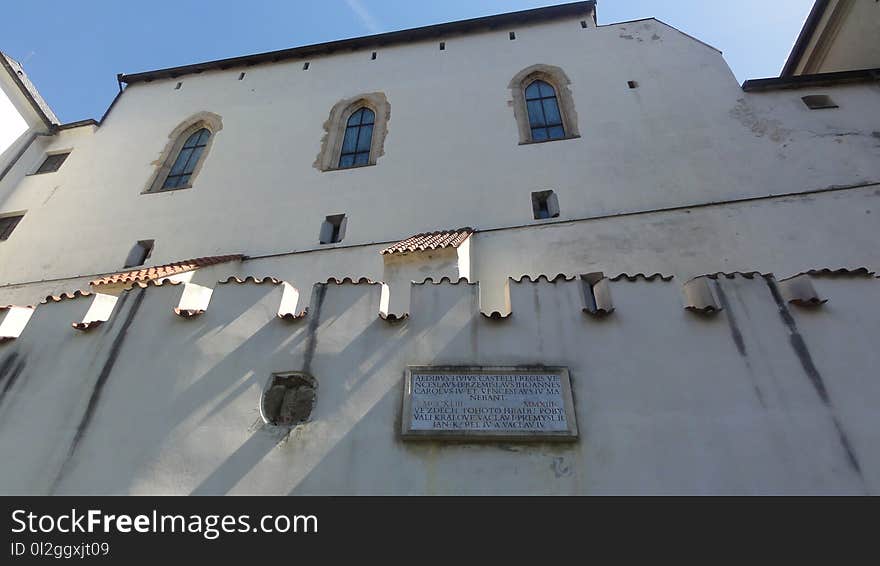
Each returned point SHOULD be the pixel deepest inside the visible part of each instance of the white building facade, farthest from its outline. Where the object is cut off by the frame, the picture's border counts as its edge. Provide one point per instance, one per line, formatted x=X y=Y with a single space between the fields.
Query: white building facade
x=698 y=254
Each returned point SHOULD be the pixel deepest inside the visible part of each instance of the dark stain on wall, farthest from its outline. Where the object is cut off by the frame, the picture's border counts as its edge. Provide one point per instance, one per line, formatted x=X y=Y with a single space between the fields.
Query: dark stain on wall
x=318 y=294
x=806 y=359
x=97 y=389
x=9 y=372
x=737 y=336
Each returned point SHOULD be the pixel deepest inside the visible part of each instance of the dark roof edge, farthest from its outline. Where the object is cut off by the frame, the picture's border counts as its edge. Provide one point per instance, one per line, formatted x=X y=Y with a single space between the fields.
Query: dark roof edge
x=403 y=36
x=818 y=79
x=800 y=44
x=30 y=95
x=77 y=124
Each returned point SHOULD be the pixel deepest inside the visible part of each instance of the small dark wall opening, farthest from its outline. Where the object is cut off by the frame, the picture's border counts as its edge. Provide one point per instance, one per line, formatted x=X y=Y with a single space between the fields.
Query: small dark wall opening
x=632 y=84
x=8 y=224
x=545 y=204
x=139 y=253
x=52 y=162
x=333 y=229
x=289 y=399
x=819 y=101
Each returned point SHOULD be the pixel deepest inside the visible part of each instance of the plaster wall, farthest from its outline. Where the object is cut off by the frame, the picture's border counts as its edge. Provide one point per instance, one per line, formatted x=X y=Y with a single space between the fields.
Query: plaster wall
x=687 y=135
x=763 y=397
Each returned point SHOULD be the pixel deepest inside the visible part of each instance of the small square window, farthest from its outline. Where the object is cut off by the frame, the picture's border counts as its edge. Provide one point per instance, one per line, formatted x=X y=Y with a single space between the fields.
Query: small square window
x=545 y=205
x=333 y=229
x=52 y=162
x=632 y=84
x=139 y=253
x=8 y=224
x=819 y=101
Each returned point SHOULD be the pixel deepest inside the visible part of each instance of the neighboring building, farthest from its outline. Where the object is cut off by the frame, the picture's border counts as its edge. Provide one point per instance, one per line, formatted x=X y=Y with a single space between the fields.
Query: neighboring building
x=530 y=191
x=24 y=114
x=839 y=35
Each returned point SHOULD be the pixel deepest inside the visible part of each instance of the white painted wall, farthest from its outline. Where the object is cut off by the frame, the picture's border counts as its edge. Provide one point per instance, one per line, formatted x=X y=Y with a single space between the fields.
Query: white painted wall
x=666 y=401
x=685 y=175
x=12 y=124
x=687 y=135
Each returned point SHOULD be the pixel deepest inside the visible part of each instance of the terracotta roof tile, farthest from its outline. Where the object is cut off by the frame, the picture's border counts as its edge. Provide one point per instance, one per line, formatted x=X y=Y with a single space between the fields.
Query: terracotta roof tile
x=167 y=270
x=430 y=241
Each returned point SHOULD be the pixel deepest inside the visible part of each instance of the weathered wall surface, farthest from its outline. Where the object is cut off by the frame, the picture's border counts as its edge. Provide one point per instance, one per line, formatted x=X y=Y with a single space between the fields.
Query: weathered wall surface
x=687 y=135
x=764 y=397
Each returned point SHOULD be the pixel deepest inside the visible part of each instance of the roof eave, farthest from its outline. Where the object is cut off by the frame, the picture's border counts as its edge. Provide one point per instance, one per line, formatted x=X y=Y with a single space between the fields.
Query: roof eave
x=814 y=80
x=584 y=8
x=803 y=39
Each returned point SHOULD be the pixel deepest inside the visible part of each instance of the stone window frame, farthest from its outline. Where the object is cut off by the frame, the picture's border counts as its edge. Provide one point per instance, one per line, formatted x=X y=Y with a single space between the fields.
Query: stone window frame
x=555 y=77
x=208 y=120
x=334 y=130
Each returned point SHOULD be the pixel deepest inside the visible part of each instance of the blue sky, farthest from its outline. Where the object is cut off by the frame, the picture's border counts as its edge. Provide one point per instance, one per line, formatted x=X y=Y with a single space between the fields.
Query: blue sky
x=73 y=49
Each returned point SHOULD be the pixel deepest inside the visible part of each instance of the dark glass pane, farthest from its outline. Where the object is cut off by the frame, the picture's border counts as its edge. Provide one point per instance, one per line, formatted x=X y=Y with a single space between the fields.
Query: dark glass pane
x=362 y=158
x=368 y=116
x=539 y=134
x=203 y=137
x=556 y=132
x=551 y=111
x=546 y=90
x=183 y=180
x=536 y=114
x=52 y=163
x=356 y=118
x=194 y=159
x=533 y=90
x=181 y=161
x=365 y=138
x=192 y=140
x=349 y=142
x=346 y=160
x=170 y=182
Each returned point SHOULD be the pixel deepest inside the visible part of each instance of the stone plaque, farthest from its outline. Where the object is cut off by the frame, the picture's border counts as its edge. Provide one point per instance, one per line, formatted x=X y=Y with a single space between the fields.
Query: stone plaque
x=491 y=402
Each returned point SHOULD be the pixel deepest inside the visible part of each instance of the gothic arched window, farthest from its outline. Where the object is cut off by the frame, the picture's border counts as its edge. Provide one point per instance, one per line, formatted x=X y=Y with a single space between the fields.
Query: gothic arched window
x=545 y=120
x=358 y=139
x=187 y=159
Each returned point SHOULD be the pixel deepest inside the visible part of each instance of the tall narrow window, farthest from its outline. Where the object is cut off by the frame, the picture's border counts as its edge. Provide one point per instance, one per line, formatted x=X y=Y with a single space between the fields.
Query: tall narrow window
x=358 y=138
x=187 y=159
x=545 y=119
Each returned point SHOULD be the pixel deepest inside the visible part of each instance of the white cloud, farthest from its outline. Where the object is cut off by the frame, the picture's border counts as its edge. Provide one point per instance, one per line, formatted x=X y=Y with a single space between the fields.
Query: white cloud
x=365 y=16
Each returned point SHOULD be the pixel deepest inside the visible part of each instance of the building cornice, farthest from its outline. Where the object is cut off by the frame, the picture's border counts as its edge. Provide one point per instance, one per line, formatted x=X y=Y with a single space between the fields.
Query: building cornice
x=807 y=81
x=586 y=9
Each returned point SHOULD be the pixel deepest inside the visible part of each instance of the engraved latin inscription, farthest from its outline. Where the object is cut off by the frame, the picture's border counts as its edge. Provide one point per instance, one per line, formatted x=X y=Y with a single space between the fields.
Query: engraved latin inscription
x=484 y=402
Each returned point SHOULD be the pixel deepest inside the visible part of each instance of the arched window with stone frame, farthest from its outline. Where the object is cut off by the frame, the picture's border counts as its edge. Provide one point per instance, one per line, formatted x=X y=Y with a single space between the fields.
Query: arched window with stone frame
x=543 y=105
x=185 y=153
x=354 y=133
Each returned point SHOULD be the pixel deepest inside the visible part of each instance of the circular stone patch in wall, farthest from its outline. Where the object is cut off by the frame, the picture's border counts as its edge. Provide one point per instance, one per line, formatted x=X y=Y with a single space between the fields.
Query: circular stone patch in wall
x=289 y=398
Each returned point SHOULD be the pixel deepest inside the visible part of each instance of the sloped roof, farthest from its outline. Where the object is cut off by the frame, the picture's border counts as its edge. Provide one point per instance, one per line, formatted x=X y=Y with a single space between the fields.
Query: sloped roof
x=16 y=71
x=167 y=270
x=430 y=241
